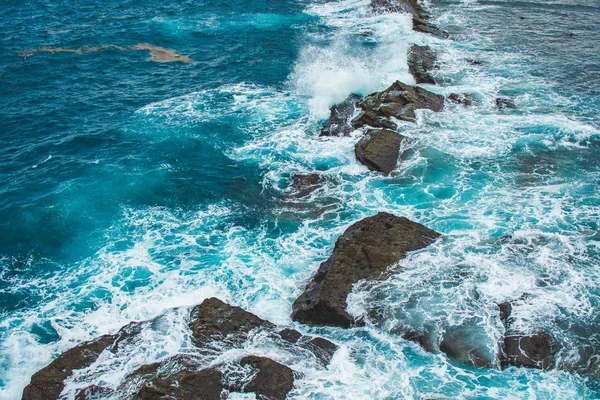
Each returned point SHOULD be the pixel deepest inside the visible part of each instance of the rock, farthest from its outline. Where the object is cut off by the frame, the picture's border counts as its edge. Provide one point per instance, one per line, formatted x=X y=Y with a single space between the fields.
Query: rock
x=291 y=335
x=323 y=349
x=48 y=383
x=305 y=184
x=206 y=384
x=537 y=350
x=464 y=99
x=398 y=101
x=458 y=344
x=421 y=337
x=505 y=310
x=341 y=114
x=93 y=392
x=378 y=149
x=474 y=62
x=364 y=251
x=214 y=320
x=503 y=104
x=273 y=381
x=413 y=7
x=421 y=61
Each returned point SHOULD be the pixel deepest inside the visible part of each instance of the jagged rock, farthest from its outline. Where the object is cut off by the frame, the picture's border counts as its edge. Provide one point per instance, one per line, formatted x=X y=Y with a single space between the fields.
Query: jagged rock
x=215 y=320
x=505 y=311
x=398 y=101
x=464 y=99
x=323 y=349
x=93 y=392
x=305 y=184
x=378 y=149
x=48 y=382
x=341 y=114
x=413 y=7
x=474 y=62
x=421 y=337
x=206 y=384
x=421 y=61
x=536 y=350
x=364 y=251
x=273 y=380
x=504 y=104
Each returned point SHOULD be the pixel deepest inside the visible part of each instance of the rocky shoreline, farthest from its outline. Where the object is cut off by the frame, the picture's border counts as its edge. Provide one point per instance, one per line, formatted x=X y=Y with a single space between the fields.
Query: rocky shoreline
x=364 y=251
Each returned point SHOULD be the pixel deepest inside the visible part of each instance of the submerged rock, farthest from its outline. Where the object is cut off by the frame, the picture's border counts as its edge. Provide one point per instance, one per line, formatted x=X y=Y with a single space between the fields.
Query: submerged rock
x=399 y=101
x=304 y=184
x=503 y=104
x=364 y=251
x=48 y=383
x=378 y=149
x=421 y=61
x=536 y=350
x=459 y=344
x=464 y=99
x=340 y=117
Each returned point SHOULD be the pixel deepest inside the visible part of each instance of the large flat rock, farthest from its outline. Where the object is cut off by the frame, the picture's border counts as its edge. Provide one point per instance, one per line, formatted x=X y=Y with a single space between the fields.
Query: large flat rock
x=364 y=251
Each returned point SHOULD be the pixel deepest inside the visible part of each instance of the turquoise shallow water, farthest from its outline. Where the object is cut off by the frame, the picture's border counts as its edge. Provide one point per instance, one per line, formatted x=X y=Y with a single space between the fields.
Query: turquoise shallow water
x=128 y=186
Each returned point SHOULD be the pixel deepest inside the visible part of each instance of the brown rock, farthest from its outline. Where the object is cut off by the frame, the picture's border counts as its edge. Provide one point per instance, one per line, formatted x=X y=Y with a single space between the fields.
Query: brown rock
x=421 y=62
x=379 y=149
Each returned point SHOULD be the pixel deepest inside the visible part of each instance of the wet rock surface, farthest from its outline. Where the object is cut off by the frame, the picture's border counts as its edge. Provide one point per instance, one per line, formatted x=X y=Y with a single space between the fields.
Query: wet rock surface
x=215 y=327
x=458 y=344
x=464 y=99
x=48 y=383
x=340 y=116
x=304 y=184
x=364 y=251
x=505 y=104
x=537 y=350
x=421 y=62
x=399 y=101
x=379 y=149
x=414 y=7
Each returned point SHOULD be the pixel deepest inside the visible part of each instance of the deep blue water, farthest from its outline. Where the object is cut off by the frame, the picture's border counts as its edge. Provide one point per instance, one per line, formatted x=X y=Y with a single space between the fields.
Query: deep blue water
x=129 y=186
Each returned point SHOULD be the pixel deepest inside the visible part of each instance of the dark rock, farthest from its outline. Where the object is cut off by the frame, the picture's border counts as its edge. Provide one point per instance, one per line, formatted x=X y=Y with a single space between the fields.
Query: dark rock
x=273 y=381
x=503 y=104
x=421 y=337
x=323 y=349
x=305 y=184
x=48 y=382
x=378 y=149
x=457 y=344
x=340 y=117
x=536 y=351
x=505 y=311
x=398 y=101
x=413 y=7
x=206 y=384
x=421 y=61
x=215 y=320
x=364 y=251
x=291 y=335
x=93 y=392
x=473 y=62
x=464 y=99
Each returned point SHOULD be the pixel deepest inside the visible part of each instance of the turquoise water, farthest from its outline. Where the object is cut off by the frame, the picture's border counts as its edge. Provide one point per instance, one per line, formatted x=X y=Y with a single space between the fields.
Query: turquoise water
x=129 y=186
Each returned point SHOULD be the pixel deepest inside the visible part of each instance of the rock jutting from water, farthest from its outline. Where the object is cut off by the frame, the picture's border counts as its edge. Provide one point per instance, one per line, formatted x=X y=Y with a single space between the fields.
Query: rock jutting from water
x=421 y=62
x=379 y=149
x=339 y=123
x=364 y=251
x=214 y=326
x=420 y=17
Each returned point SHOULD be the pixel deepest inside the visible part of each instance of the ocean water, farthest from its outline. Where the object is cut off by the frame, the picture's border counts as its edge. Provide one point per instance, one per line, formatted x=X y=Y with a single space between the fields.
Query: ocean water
x=130 y=186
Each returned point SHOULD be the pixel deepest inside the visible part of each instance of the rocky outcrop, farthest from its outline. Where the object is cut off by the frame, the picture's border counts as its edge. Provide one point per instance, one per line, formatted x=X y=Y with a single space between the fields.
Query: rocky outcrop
x=464 y=99
x=48 y=382
x=215 y=326
x=304 y=184
x=420 y=16
x=505 y=104
x=460 y=343
x=399 y=101
x=364 y=251
x=421 y=62
x=378 y=149
x=340 y=116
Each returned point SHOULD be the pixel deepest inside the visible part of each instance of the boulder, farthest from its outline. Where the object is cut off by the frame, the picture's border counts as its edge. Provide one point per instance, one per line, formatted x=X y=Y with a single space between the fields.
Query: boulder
x=304 y=184
x=365 y=251
x=537 y=350
x=271 y=380
x=459 y=343
x=464 y=99
x=399 y=101
x=504 y=104
x=340 y=116
x=48 y=383
x=378 y=149
x=421 y=61
x=214 y=320
x=505 y=311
